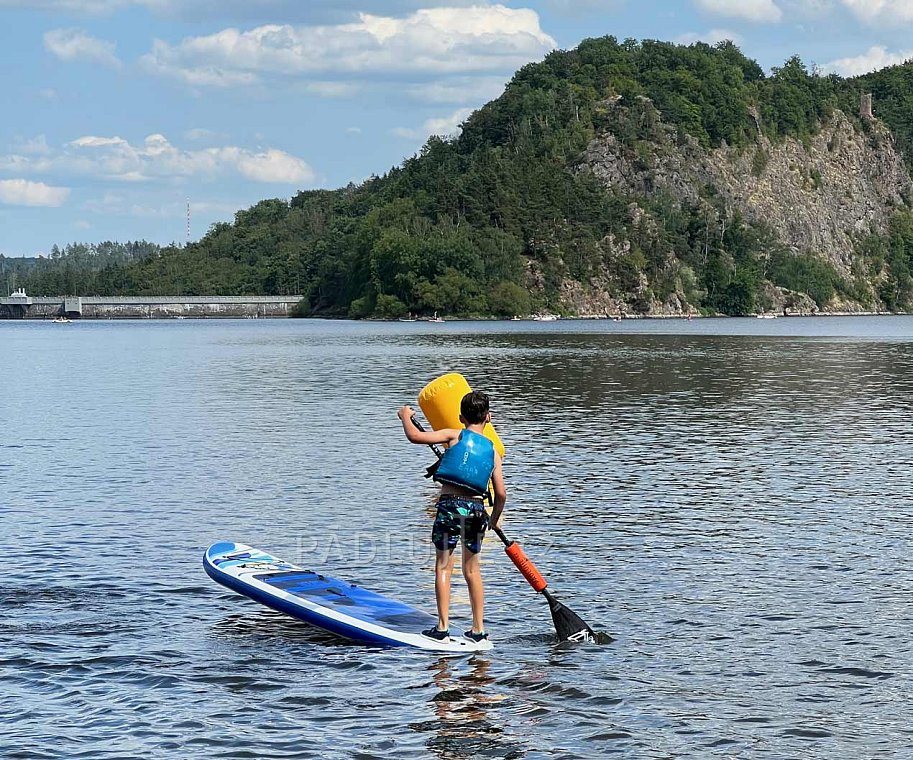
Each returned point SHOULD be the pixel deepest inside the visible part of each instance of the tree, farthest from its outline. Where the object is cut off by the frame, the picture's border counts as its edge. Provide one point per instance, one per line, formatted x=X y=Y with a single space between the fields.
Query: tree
x=390 y=307
x=508 y=299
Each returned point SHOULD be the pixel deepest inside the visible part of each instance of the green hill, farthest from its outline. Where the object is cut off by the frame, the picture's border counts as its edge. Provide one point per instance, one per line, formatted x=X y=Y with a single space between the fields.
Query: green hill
x=628 y=176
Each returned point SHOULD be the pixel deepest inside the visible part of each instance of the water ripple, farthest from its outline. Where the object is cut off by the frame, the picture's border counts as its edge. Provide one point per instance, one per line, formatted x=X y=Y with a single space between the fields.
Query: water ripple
x=730 y=499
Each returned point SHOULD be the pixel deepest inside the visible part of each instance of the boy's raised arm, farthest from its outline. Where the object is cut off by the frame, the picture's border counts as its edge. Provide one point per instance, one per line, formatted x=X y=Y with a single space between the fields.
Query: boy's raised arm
x=425 y=437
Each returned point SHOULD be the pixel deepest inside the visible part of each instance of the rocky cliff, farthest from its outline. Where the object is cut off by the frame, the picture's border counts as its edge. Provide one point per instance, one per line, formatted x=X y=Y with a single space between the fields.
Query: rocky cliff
x=819 y=196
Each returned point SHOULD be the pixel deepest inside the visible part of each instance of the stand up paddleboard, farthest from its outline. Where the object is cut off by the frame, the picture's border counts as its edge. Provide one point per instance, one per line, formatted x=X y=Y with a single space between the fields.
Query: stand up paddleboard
x=328 y=603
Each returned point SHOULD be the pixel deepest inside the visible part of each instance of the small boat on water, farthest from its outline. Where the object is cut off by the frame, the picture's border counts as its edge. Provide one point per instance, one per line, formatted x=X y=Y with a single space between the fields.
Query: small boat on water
x=435 y=318
x=61 y=321
x=767 y=316
x=545 y=318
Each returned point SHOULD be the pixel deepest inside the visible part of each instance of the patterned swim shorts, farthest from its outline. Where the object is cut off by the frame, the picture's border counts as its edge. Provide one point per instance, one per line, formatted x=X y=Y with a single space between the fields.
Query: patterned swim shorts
x=459 y=517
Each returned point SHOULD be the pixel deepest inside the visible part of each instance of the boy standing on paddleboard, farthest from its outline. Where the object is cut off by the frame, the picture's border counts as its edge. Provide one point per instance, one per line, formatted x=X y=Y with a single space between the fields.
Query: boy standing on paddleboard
x=465 y=469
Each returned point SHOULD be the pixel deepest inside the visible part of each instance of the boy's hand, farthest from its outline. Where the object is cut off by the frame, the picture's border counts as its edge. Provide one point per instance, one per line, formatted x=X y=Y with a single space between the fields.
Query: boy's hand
x=405 y=413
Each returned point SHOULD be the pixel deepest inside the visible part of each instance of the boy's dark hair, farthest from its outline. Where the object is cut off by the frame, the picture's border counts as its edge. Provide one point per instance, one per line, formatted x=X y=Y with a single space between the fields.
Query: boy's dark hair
x=474 y=407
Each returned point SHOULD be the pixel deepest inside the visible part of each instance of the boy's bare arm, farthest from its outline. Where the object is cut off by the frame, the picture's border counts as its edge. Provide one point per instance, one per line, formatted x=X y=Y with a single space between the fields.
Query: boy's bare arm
x=497 y=482
x=426 y=437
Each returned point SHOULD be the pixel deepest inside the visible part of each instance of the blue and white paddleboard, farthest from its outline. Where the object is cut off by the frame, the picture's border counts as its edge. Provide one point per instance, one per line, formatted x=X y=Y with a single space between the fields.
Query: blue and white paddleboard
x=328 y=603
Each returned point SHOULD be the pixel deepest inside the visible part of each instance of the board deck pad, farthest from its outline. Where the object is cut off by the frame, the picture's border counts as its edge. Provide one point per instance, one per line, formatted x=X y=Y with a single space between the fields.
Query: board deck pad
x=359 y=603
x=328 y=603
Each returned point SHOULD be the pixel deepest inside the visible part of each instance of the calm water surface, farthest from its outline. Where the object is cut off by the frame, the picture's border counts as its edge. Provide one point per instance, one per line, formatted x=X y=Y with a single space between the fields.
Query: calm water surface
x=731 y=499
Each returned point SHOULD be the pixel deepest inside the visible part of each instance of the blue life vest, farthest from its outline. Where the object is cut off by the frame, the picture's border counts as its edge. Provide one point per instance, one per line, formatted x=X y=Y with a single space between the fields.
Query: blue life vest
x=468 y=463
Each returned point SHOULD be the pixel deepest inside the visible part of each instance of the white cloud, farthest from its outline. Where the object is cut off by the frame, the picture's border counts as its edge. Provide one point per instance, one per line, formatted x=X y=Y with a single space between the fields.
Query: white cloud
x=75 y=45
x=443 y=126
x=353 y=130
x=77 y=6
x=458 y=90
x=114 y=158
x=447 y=125
x=271 y=166
x=758 y=11
x=32 y=145
x=811 y=6
x=711 y=37
x=333 y=89
x=270 y=10
x=98 y=142
x=165 y=61
x=889 y=11
x=21 y=192
x=581 y=7
x=198 y=134
x=102 y=7
x=876 y=58
x=439 y=41
x=82 y=224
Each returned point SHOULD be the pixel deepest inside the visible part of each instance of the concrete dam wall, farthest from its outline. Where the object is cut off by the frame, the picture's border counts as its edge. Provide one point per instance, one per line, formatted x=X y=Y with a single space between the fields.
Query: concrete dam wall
x=21 y=306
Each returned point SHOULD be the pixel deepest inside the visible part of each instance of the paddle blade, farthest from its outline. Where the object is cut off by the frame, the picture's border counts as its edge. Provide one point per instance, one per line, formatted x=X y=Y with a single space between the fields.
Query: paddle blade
x=568 y=624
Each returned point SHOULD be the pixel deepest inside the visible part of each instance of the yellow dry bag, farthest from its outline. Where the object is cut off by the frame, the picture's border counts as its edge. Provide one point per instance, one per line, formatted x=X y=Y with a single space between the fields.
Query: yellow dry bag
x=440 y=403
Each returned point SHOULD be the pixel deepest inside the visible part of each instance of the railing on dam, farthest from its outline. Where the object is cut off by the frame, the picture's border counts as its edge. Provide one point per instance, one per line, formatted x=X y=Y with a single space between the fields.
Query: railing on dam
x=21 y=306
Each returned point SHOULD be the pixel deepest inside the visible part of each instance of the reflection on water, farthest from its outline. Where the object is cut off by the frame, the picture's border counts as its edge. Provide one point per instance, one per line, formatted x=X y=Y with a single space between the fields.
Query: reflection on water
x=462 y=726
x=729 y=498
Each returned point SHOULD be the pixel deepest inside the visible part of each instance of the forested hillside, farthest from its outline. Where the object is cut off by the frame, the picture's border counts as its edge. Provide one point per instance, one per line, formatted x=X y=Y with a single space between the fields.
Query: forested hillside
x=513 y=216
x=78 y=268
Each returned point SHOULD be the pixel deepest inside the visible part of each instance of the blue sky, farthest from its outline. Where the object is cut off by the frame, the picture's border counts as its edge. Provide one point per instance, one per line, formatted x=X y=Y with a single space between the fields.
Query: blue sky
x=118 y=111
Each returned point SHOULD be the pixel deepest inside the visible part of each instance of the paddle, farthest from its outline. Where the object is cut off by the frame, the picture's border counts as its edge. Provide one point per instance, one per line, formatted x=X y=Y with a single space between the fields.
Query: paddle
x=568 y=624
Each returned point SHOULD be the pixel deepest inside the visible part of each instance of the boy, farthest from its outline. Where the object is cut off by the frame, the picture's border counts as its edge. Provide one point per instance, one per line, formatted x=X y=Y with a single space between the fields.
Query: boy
x=464 y=471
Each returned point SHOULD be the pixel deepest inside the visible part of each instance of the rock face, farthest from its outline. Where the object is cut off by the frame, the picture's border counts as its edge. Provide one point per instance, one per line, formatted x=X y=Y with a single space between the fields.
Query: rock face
x=789 y=302
x=818 y=196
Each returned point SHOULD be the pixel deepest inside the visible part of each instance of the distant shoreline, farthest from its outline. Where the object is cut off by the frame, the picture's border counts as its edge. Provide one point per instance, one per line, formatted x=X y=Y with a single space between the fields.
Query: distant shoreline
x=630 y=318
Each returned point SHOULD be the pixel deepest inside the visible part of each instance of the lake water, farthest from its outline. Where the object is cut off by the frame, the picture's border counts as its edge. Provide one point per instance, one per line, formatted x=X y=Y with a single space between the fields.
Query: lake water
x=729 y=498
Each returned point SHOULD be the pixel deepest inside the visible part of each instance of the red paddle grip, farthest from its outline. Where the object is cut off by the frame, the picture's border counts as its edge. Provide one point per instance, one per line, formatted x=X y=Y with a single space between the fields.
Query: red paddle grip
x=525 y=565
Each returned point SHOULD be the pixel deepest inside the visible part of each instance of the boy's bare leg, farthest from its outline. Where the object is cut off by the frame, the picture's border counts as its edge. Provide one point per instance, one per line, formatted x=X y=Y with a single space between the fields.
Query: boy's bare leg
x=472 y=572
x=443 y=570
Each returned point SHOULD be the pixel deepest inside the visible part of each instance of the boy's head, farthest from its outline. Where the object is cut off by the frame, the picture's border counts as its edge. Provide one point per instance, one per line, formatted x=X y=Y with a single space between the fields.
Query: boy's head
x=474 y=408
